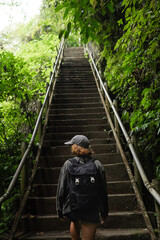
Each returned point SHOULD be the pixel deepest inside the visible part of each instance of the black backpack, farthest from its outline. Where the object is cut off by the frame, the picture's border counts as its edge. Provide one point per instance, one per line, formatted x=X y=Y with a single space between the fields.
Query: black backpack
x=83 y=184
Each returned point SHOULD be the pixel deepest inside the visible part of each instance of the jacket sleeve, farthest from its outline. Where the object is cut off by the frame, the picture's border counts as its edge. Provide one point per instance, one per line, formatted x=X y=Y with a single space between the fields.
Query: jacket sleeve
x=103 y=195
x=61 y=190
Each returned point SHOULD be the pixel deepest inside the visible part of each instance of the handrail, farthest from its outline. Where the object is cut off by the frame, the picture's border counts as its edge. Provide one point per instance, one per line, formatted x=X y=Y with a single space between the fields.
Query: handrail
x=23 y=160
x=145 y=180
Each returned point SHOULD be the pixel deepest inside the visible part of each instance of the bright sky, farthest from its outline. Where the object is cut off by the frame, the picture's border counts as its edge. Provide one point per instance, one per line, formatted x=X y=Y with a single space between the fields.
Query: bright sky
x=18 y=14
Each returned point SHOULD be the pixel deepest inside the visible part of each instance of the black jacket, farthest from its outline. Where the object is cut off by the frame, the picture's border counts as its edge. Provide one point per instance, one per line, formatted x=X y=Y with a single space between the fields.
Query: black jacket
x=62 y=199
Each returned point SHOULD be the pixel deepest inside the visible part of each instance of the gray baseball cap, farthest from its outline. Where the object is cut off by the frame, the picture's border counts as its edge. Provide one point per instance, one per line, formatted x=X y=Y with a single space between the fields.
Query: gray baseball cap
x=79 y=140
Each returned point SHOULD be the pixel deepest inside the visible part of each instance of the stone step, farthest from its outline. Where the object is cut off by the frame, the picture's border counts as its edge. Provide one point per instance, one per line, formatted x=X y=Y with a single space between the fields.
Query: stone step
x=115 y=220
x=78 y=66
x=69 y=78
x=49 y=190
x=67 y=116
x=75 y=55
x=69 y=95
x=75 y=105
x=75 y=84
x=96 y=148
x=78 y=89
x=123 y=234
x=56 y=235
x=56 y=143
x=50 y=175
x=75 y=91
x=58 y=161
x=116 y=202
x=99 y=110
x=74 y=60
x=102 y=234
x=90 y=135
x=77 y=122
x=66 y=99
x=75 y=75
x=78 y=128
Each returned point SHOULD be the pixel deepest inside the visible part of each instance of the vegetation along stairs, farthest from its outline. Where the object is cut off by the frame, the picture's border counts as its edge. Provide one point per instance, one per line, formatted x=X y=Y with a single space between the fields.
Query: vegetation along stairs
x=77 y=109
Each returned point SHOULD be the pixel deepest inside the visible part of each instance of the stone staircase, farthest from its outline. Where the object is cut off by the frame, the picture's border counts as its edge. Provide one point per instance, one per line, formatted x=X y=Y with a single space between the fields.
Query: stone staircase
x=77 y=109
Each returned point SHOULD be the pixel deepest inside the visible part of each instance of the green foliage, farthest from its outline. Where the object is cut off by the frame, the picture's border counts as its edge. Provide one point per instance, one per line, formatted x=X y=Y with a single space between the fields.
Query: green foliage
x=39 y=55
x=133 y=72
x=128 y=36
x=23 y=77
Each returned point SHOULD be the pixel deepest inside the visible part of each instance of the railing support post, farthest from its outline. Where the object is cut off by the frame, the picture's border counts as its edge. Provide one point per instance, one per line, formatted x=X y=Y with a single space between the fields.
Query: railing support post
x=137 y=176
x=106 y=99
x=24 y=173
x=40 y=123
x=156 y=185
x=47 y=102
x=116 y=122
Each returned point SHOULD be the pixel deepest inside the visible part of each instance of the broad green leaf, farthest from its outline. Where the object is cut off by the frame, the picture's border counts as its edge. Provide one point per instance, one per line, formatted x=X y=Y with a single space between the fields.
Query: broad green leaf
x=110 y=6
x=93 y=3
x=61 y=33
x=59 y=7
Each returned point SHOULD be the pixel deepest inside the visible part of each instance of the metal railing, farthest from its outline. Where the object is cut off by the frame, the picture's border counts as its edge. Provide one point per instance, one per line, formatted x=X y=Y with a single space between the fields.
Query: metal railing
x=146 y=182
x=24 y=158
x=107 y=102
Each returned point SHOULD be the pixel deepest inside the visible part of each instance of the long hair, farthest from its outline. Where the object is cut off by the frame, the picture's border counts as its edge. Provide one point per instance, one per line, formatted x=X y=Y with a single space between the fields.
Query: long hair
x=79 y=151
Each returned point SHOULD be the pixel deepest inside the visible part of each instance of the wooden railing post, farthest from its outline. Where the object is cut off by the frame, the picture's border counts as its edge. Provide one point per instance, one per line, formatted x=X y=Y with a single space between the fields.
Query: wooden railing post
x=40 y=123
x=137 y=176
x=47 y=102
x=116 y=124
x=51 y=84
x=24 y=172
x=156 y=185
x=106 y=100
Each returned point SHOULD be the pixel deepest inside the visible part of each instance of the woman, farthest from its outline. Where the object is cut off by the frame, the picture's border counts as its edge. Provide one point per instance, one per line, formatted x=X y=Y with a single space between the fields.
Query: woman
x=83 y=209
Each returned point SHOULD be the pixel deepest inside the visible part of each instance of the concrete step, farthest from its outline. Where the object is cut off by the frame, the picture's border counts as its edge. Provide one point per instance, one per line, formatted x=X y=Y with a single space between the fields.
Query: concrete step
x=96 y=148
x=70 y=78
x=67 y=116
x=74 y=105
x=77 y=122
x=58 y=161
x=56 y=143
x=75 y=84
x=116 y=202
x=75 y=91
x=99 y=110
x=78 y=128
x=102 y=234
x=123 y=234
x=54 y=235
x=80 y=67
x=76 y=54
x=115 y=220
x=74 y=75
x=68 y=99
x=83 y=75
x=50 y=175
x=76 y=95
x=49 y=190
x=82 y=61
x=90 y=135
